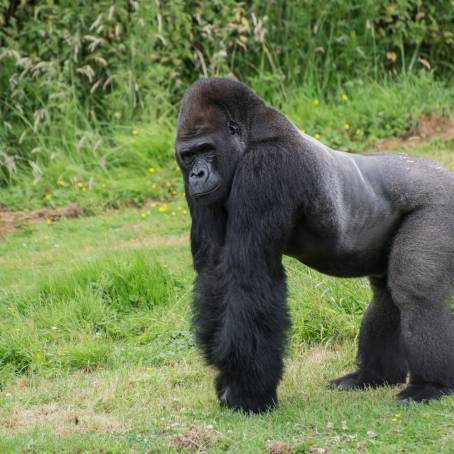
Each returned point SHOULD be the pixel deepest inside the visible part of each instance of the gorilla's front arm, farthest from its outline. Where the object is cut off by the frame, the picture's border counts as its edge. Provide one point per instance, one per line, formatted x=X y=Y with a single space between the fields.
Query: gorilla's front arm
x=240 y=303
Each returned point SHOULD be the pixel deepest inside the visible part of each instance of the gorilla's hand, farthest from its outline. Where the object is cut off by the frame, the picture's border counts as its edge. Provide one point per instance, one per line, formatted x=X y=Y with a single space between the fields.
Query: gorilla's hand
x=232 y=396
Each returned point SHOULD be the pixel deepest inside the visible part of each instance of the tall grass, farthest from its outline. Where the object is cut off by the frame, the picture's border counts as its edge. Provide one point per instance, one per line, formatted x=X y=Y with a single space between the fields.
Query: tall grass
x=73 y=319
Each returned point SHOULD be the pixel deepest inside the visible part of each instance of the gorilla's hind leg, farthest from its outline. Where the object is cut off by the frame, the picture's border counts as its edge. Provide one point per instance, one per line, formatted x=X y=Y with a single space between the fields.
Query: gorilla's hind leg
x=421 y=281
x=380 y=356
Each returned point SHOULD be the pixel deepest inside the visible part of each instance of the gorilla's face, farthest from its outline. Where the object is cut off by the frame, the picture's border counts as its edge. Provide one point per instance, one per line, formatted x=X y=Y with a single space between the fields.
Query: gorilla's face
x=207 y=153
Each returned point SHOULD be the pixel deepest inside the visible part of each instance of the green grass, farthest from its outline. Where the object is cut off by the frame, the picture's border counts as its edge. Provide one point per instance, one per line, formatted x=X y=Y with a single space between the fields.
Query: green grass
x=96 y=352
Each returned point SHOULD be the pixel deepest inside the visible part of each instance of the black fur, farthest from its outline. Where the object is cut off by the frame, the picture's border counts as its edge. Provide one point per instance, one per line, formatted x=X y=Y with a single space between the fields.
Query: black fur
x=258 y=189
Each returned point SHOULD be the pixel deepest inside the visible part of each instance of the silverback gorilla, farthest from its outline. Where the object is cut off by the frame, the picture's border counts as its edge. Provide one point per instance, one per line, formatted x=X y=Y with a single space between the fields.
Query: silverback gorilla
x=258 y=189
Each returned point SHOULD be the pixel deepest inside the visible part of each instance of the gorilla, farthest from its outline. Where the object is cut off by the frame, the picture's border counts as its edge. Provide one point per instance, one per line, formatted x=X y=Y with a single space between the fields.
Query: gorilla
x=258 y=189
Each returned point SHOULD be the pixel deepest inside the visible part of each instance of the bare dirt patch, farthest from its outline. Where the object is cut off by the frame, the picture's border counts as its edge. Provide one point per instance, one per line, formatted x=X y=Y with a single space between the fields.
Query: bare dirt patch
x=63 y=420
x=10 y=220
x=197 y=439
x=428 y=127
x=278 y=447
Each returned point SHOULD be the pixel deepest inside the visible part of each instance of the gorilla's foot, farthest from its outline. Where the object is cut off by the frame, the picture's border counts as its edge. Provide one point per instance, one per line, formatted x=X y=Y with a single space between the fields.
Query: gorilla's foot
x=359 y=380
x=423 y=393
x=349 y=381
x=230 y=396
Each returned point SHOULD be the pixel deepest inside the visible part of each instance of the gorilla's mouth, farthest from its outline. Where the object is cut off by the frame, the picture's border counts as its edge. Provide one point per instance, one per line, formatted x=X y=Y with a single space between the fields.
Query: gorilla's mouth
x=203 y=194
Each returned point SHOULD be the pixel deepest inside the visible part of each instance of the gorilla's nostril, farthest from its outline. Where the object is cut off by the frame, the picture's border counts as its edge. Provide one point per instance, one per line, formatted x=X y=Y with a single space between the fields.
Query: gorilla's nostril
x=201 y=173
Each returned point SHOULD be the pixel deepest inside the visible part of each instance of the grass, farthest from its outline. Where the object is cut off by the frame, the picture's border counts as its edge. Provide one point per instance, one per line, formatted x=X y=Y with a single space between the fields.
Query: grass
x=96 y=353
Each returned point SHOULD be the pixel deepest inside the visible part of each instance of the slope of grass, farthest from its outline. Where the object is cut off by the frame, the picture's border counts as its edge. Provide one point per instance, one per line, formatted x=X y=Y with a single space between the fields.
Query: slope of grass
x=124 y=163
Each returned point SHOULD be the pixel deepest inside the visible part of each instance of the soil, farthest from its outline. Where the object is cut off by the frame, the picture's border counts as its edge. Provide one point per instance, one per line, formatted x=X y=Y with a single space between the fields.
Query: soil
x=427 y=128
x=197 y=439
x=277 y=447
x=10 y=220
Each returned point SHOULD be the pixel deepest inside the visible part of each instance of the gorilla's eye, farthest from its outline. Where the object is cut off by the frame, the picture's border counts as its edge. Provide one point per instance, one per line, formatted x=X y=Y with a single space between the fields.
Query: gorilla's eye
x=206 y=151
x=188 y=157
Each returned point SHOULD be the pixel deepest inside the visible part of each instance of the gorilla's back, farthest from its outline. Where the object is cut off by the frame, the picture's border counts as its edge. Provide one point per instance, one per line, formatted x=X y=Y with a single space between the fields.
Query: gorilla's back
x=368 y=195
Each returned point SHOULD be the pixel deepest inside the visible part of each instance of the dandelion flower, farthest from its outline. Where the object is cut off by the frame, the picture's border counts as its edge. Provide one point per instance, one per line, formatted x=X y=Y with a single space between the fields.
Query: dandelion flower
x=151 y=170
x=143 y=214
x=344 y=98
x=48 y=196
x=316 y=102
x=48 y=221
x=317 y=136
x=163 y=208
x=346 y=126
x=80 y=185
x=173 y=213
x=174 y=192
x=61 y=182
x=135 y=132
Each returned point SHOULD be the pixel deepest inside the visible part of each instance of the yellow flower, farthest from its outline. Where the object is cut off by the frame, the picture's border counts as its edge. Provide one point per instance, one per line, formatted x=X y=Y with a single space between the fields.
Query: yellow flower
x=174 y=192
x=185 y=211
x=143 y=214
x=48 y=221
x=61 y=182
x=344 y=98
x=48 y=196
x=346 y=126
x=135 y=132
x=163 y=208
x=39 y=357
x=391 y=56
x=173 y=213
x=317 y=136
x=80 y=185
x=84 y=189
x=151 y=170
x=394 y=419
x=316 y=102
x=149 y=369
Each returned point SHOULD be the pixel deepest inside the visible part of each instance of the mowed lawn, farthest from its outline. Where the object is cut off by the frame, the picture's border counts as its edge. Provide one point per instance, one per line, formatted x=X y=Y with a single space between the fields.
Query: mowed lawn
x=96 y=352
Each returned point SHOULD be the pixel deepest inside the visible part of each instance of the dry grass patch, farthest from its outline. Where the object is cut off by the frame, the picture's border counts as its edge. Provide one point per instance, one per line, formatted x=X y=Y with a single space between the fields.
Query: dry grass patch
x=62 y=420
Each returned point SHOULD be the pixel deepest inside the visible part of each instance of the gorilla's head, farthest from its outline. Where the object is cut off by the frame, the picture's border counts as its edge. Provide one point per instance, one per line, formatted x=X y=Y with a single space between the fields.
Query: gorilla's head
x=211 y=137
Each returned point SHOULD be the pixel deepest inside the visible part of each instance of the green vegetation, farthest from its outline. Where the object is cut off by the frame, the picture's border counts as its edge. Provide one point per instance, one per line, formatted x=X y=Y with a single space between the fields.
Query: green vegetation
x=96 y=352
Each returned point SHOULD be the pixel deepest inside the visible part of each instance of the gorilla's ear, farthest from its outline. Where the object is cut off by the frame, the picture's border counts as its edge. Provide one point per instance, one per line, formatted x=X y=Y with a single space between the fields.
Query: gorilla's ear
x=234 y=127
